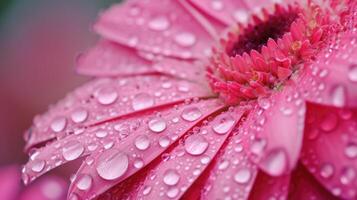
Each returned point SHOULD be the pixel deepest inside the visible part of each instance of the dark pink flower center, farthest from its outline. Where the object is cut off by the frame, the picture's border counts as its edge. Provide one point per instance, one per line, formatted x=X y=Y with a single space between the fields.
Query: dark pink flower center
x=256 y=59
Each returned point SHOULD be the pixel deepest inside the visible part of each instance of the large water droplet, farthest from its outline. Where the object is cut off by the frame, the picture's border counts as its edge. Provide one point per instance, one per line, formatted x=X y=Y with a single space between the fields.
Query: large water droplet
x=112 y=164
x=242 y=176
x=196 y=144
x=72 y=150
x=171 y=177
x=101 y=134
x=351 y=150
x=223 y=125
x=159 y=23
x=338 y=96
x=142 y=142
x=142 y=101
x=352 y=74
x=157 y=125
x=185 y=39
x=79 y=115
x=275 y=162
x=107 y=95
x=191 y=114
x=84 y=182
x=58 y=124
x=38 y=165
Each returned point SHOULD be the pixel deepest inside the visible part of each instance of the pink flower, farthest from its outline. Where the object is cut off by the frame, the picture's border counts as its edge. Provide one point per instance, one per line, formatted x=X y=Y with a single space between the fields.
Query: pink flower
x=273 y=115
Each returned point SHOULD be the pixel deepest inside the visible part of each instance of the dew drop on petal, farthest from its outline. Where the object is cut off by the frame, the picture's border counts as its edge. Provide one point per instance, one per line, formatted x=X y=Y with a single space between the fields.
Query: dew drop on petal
x=171 y=177
x=164 y=141
x=79 y=115
x=160 y=23
x=58 y=124
x=196 y=144
x=84 y=182
x=138 y=163
x=352 y=74
x=72 y=150
x=338 y=96
x=242 y=176
x=107 y=96
x=112 y=164
x=326 y=171
x=351 y=150
x=185 y=39
x=224 y=125
x=38 y=165
x=172 y=192
x=142 y=101
x=147 y=190
x=275 y=162
x=191 y=114
x=101 y=134
x=329 y=122
x=157 y=125
x=142 y=142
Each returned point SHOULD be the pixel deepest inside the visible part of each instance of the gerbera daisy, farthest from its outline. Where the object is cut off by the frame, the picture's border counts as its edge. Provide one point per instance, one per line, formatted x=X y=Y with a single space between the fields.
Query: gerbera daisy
x=198 y=100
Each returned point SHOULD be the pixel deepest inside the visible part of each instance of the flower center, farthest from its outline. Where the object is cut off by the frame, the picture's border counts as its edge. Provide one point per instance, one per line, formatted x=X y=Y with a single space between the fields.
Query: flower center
x=259 y=58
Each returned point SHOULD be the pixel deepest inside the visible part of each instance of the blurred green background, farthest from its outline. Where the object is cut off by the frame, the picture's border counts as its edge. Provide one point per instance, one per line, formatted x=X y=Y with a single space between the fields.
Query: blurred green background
x=39 y=41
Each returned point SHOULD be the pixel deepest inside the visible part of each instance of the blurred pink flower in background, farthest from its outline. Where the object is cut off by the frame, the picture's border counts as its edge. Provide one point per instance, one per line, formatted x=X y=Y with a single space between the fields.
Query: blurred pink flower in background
x=275 y=118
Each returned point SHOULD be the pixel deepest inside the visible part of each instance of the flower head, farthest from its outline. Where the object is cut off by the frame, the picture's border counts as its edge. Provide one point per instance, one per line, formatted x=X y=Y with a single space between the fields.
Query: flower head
x=192 y=101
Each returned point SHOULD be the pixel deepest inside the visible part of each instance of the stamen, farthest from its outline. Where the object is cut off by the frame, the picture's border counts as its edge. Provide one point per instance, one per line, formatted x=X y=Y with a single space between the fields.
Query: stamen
x=259 y=58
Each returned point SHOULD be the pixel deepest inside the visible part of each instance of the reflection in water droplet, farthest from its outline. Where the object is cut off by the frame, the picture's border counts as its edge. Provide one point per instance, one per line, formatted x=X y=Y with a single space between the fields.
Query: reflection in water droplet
x=191 y=114
x=142 y=142
x=171 y=177
x=38 y=165
x=275 y=162
x=112 y=164
x=107 y=96
x=223 y=125
x=72 y=150
x=242 y=176
x=196 y=144
x=84 y=182
x=142 y=101
x=157 y=125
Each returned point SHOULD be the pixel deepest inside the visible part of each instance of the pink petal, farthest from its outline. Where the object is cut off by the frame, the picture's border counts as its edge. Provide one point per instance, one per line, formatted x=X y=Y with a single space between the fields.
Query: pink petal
x=266 y=186
x=332 y=79
x=330 y=148
x=233 y=173
x=304 y=186
x=111 y=59
x=48 y=188
x=276 y=130
x=166 y=28
x=152 y=137
x=10 y=182
x=104 y=99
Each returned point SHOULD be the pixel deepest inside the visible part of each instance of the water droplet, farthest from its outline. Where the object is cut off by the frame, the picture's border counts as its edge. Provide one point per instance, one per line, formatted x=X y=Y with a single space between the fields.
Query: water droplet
x=196 y=144
x=58 y=124
x=242 y=176
x=241 y=16
x=107 y=95
x=160 y=23
x=157 y=125
x=223 y=165
x=172 y=192
x=275 y=162
x=84 y=182
x=348 y=174
x=142 y=101
x=217 y=5
x=338 y=96
x=164 y=141
x=223 y=125
x=185 y=39
x=352 y=73
x=101 y=134
x=326 y=171
x=191 y=114
x=264 y=103
x=138 y=163
x=142 y=142
x=38 y=165
x=112 y=164
x=72 y=150
x=329 y=122
x=147 y=190
x=258 y=146
x=171 y=177
x=79 y=115
x=351 y=150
